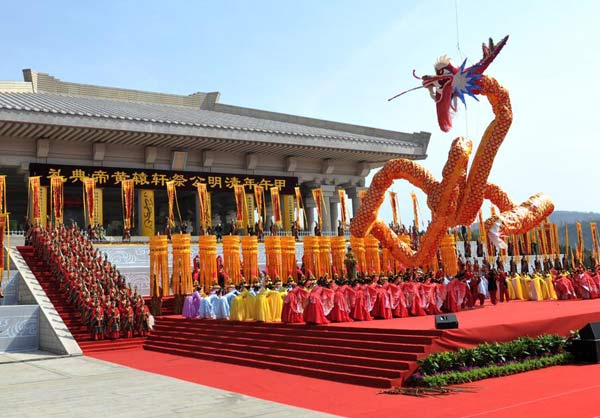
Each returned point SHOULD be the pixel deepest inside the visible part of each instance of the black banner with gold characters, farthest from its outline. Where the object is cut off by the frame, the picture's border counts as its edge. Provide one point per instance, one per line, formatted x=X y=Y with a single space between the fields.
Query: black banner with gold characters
x=157 y=179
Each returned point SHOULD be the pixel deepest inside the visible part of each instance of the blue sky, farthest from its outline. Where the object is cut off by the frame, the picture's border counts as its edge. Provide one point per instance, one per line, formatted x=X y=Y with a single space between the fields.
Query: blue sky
x=341 y=60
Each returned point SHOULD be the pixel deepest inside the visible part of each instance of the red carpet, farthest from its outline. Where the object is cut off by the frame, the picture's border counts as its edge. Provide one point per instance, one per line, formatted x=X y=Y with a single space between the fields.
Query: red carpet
x=370 y=357
x=375 y=353
x=69 y=314
x=566 y=391
x=503 y=322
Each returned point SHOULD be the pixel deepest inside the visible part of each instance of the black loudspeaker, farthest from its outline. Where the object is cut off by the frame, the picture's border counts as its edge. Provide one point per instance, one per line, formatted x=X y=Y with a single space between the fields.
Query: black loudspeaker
x=590 y=332
x=587 y=351
x=446 y=321
x=586 y=348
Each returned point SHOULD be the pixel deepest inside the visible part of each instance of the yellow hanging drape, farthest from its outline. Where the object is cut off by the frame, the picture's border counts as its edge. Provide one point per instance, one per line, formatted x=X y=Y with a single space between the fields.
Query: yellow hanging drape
x=207 y=251
x=273 y=255
x=231 y=257
x=449 y=259
x=159 y=268
x=325 y=256
x=182 y=274
x=288 y=257
x=250 y=254
x=338 y=253
x=372 y=255
x=311 y=257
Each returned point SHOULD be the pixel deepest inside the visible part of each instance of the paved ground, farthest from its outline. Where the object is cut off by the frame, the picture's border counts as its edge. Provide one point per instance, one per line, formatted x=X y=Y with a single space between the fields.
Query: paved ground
x=6 y=357
x=86 y=387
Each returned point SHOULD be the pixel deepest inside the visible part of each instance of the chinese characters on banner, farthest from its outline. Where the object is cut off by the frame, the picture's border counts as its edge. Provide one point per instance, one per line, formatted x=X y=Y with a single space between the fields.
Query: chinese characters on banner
x=98 y=207
x=147 y=212
x=56 y=187
x=34 y=200
x=157 y=179
x=89 y=203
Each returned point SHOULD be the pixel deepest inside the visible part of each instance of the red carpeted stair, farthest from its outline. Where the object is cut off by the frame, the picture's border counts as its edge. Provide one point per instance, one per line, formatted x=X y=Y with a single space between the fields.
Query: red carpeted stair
x=70 y=315
x=361 y=356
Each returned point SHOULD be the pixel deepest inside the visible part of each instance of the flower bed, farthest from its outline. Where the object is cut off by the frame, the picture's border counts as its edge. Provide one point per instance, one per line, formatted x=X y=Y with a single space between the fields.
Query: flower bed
x=490 y=360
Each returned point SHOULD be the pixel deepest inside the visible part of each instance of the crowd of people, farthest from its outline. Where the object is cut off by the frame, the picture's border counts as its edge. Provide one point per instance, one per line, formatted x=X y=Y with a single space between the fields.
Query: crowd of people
x=361 y=297
x=111 y=309
x=107 y=305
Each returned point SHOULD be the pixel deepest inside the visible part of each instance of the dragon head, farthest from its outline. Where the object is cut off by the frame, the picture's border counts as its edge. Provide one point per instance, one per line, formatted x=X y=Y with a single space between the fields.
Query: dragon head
x=450 y=83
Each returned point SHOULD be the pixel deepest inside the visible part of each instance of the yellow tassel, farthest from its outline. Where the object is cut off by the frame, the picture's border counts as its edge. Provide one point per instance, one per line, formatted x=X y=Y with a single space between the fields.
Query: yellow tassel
x=273 y=255
x=231 y=257
x=312 y=255
x=250 y=254
x=449 y=259
x=207 y=250
x=372 y=255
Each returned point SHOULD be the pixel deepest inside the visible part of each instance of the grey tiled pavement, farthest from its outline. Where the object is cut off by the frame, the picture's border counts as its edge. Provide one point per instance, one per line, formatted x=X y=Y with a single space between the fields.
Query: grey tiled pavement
x=86 y=387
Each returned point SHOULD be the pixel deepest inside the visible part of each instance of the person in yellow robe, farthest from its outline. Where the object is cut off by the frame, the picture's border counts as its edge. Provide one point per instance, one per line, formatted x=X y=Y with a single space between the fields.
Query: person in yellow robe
x=537 y=288
x=526 y=287
x=250 y=303
x=548 y=279
x=237 y=311
x=516 y=282
x=276 y=304
x=262 y=308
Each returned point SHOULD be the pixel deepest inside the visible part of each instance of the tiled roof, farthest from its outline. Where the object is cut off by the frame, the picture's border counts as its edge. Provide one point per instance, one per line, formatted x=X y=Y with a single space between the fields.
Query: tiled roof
x=91 y=107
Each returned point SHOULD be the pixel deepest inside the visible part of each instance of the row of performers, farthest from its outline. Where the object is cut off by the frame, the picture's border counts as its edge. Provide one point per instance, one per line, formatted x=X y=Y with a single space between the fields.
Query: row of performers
x=413 y=294
x=94 y=287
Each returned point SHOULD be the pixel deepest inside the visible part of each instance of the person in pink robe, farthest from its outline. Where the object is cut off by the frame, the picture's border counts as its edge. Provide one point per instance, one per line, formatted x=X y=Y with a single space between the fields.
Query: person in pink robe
x=293 y=306
x=341 y=309
x=320 y=303
x=360 y=310
x=382 y=307
x=397 y=299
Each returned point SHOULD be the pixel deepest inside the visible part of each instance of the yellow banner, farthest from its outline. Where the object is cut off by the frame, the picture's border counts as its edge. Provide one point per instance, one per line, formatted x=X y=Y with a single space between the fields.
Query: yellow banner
x=288 y=211
x=318 y=198
x=580 y=243
x=343 y=207
x=147 y=213
x=250 y=206
x=240 y=203
x=415 y=203
x=44 y=205
x=3 y=194
x=594 y=240
x=394 y=204
x=209 y=208
x=275 y=203
x=98 y=208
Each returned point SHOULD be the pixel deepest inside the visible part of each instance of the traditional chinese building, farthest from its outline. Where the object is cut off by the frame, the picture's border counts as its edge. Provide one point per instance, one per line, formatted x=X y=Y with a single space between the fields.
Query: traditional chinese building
x=49 y=127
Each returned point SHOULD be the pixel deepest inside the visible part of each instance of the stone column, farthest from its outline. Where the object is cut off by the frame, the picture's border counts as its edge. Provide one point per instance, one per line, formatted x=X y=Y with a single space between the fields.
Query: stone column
x=333 y=214
x=326 y=215
x=309 y=208
x=353 y=193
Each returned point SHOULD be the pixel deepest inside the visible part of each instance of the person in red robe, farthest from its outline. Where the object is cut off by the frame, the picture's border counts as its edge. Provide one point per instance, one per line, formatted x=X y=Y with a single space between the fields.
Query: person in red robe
x=360 y=311
x=341 y=309
x=293 y=305
x=456 y=292
x=114 y=322
x=97 y=322
x=397 y=299
x=320 y=303
x=502 y=286
x=412 y=295
x=381 y=307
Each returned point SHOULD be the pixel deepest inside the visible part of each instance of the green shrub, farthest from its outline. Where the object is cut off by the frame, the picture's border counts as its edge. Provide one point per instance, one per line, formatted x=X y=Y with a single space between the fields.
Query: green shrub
x=489 y=354
x=457 y=377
